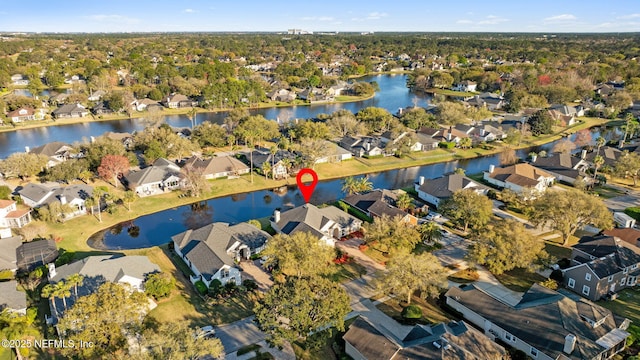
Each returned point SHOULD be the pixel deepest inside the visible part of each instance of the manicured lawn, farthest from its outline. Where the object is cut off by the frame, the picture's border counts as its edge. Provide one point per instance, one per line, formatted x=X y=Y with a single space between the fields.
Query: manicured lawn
x=607 y=192
x=464 y=276
x=557 y=251
x=519 y=279
x=376 y=255
x=431 y=312
x=627 y=304
x=347 y=272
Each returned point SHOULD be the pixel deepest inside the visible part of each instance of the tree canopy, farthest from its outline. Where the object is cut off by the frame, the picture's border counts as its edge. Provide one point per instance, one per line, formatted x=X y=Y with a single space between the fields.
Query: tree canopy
x=467 y=208
x=408 y=273
x=301 y=254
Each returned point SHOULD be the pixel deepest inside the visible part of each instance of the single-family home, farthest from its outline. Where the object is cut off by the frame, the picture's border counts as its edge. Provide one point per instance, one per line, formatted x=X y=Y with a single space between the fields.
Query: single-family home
x=59 y=98
x=147 y=104
x=519 y=177
x=36 y=253
x=608 y=153
x=25 y=114
x=328 y=223
x=70 y=111
x=335 y=154
x=366 y=146
x=131 y=271
x=280 y=162
x=11 y=298
x=36 y=195
x=282 y=95
x=487 y=100
x=211 y=251
x=544 y=324
x=74 y=79
x=174 y=101
x=441 y=134
x=162 y=176
x=8 y=255
x=11 y=216
x=428 y=142
x=102 y=108
x=561 y=119
x=630 y=235
x=124 y=137
x=465 y=85
x=379 y=202
x=217 y=167
x=601 y=266
x=19 y=80
x=96 y=95
x=403 y=137
x=455 y=340
x=56 y=151
x=563 y=166
x=568 y=110
x=434 y=191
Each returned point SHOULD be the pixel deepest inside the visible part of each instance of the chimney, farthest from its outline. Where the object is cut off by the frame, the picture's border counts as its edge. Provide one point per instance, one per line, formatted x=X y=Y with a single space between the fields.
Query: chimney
x=276 y=216
x=93 y=139
x=483 y=132
x=63 y=199
x=367 y=146
x=534 y=158
x=569 y=343
x=492 y=168
x=449 y=135
x=399 y=111
x=421 y=180
x=27 y=149
x=52 y=270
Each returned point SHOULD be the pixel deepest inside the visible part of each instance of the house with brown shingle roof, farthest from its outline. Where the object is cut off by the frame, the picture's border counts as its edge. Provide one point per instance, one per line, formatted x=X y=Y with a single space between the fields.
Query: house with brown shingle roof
x=629 y=235
x=174 y=101
x=25 y=114
x=217 y=167
x=519 y=177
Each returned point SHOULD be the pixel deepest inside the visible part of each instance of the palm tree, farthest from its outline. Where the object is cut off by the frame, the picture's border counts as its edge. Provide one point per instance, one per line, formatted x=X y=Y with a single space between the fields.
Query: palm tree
x=48 y=291
x=430 y=232
x=600 y=141
x=598 y=161
x=266 y=169
x=192 y=114
x=630 y=126
x=75 y=280
x=62 y=290
x=128 y=198
x=465 y=143
x=364 y=185
x=349 y=185
x=404 y=201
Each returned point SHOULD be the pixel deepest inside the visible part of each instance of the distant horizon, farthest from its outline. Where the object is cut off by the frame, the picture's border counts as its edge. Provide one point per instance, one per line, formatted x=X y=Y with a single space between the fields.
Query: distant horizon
x=356 y=16
x=320 y=32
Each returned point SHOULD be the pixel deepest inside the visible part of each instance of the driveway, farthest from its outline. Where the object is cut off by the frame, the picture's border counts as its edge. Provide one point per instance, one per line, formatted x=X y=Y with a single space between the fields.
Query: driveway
x=453 y=251
x=254 y=271
x=238 y=334
x=619 y=203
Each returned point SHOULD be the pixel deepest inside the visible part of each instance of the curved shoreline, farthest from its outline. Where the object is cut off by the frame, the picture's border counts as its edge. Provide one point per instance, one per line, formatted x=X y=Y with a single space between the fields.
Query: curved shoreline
x=375 y=168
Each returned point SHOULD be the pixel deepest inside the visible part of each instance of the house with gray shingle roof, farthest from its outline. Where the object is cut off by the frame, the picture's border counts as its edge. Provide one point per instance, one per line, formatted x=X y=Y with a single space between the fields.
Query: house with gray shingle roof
x=455 y=340
x=519 y=177
x=174 y=101
x=36 y=195
x=563 y=166
x=601 y=266
x=162 y=176
x=217 y=167
x=70 y=111
x=211 y=251
x=8 y=256
x=56 y=151
x=434 y=191
x=379 y=202
x=545 y=324
x=97 y=270
x=36 y=253
x=327 y=223
x=11 y=298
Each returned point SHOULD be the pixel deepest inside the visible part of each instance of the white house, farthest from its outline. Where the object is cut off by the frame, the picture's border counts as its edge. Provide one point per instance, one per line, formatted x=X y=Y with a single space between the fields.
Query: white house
x=519 y=177
x=36 y=195
x=11 y=217
x=162 y=176
x=434 y=191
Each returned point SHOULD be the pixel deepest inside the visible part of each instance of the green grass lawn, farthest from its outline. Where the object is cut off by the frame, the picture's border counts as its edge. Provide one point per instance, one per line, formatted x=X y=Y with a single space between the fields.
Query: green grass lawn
x=627 y=304
x=607 y=192
x=519 y=279
x=431 y=311
x=376 y=255
x=464 y=276
x=347 y=272
x=556 y=250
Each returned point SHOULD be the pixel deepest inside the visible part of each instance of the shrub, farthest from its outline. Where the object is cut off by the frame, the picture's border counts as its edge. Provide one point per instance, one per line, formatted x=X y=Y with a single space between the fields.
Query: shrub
x=255 y=223
x=201 y=287
x=6 y=275
x=250 y=285
x=634 y=212
x=412 y=312
x=550 y=284
x=159 y=285
x=447 y=145
x=215 y=287
x=557 y=275
x=564 y=263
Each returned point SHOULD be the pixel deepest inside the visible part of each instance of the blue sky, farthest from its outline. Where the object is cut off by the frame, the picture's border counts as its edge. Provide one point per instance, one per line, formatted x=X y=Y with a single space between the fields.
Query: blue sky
x=326 y=15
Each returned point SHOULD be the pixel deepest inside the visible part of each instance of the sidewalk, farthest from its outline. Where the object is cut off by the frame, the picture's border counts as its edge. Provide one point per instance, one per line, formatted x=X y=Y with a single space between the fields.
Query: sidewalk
x=489 y=284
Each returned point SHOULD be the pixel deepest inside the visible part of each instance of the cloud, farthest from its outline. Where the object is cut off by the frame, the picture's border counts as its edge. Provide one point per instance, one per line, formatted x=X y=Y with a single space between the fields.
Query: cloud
x=188 y=11
x=318 y=18
x=630 y=16
x=562 y=17
x=119 y=19
x=376 y=15
x=464 y=21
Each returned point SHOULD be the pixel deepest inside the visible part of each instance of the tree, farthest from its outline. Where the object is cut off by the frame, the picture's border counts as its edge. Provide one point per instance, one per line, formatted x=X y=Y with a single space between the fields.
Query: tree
x=48 y=292
x=343 y=123
x=541 y=123
x=430 y=232
x=467 y=208
x=67 y=170
x=33 y=230
x=196 y=183
x=417 y=117
x=441 y=79
x=255 y=129
x=394 y=234
x=5 y=192
x=105 y=318
x=209 y=134
x=159 y=285
x=408 y=273
x=312 y=150
x=564 y=146
x=505 y=245
x=177 y=341
x=508 y=156
x=129 y=198
x=465 y=142
x=451 y=113
x=294 y=309
x=75 y=280
x=598 y=161
x=300 y=254
x=630 y=126
x=17 y=326
x=352 y=185
x=404 y=201
x=377 y=119
x=112 y=167
x=628 y=165
x=23 y=165
x=62 y=290
x=568 y=211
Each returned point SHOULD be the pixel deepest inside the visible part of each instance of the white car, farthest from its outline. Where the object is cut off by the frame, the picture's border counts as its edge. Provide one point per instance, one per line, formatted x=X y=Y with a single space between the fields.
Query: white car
x=205 y=332
x=433 y=216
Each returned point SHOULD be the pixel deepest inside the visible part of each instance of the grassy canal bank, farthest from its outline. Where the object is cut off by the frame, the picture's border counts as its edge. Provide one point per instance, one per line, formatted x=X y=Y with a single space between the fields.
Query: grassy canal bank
x=73 y=234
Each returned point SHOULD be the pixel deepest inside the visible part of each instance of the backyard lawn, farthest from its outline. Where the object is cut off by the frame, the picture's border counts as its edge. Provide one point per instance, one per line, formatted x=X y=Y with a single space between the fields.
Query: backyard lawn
x=519 y=279
x=431 y=311
x=627 y=304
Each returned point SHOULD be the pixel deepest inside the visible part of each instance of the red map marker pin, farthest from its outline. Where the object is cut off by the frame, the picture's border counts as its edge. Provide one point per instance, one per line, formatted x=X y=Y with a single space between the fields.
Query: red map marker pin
x=307 y=190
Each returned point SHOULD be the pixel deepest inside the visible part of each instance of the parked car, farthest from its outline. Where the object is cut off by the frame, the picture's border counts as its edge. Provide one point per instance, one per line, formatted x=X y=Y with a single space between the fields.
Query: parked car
x=433 y=216
x=205 y=332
